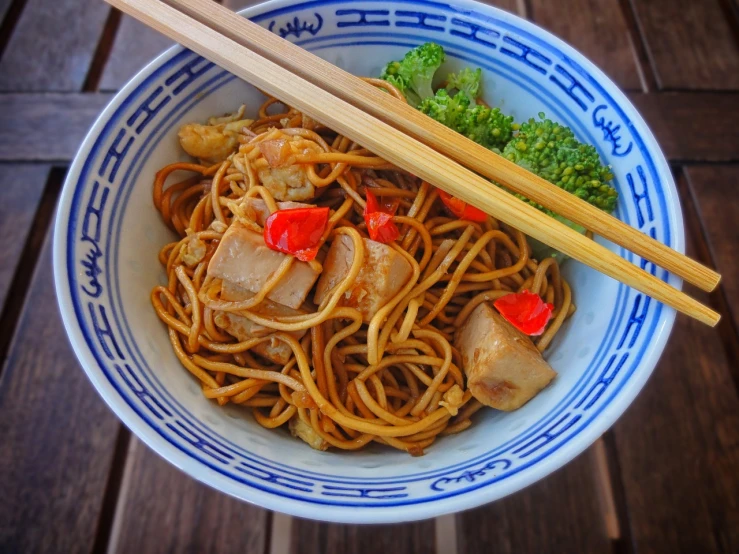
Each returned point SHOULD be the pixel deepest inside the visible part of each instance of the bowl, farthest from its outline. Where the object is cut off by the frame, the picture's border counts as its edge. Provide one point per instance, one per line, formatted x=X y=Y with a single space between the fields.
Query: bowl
x=108 y=234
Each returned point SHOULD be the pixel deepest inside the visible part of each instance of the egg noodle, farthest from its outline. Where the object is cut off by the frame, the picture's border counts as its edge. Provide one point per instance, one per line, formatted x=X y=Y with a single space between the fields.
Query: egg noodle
x=397 y=379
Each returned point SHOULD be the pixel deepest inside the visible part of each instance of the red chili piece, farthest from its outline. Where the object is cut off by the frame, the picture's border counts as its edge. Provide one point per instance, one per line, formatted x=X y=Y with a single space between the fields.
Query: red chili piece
x=379 y=220
x=297 y=232
x=462 y=209
x=526 y=311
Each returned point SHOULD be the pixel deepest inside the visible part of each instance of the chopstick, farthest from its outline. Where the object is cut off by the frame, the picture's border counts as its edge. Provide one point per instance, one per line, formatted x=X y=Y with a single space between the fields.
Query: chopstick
x=470 y=154
x=402 y=150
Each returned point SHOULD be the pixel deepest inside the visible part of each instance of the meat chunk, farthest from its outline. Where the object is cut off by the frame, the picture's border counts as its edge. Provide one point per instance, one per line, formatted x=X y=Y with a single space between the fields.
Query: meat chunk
x=244 y=259
x=211 y=143
x=504 y=369
x=244 y=329
x=256 y=209
x=383 y=274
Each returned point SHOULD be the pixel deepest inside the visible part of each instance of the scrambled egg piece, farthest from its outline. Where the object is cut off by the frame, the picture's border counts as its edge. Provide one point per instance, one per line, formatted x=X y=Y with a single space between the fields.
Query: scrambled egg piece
x=303 y=431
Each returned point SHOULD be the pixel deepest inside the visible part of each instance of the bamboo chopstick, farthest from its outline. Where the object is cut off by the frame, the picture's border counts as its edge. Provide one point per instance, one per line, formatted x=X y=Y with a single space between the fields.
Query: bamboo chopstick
x=470 y=154
x=402 y=150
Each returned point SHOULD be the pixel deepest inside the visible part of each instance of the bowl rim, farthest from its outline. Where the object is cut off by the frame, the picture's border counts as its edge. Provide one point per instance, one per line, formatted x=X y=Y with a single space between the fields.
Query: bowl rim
x=572 y=448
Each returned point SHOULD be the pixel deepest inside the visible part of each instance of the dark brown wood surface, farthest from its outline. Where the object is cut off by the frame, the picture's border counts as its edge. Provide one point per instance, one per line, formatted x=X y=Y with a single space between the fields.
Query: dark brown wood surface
x=597 y=27
x=713 y=187
x=46 y=126
x=664 y=479
x=196 y=518
x=309 y=537
x=691 y=44
x=21 y=187
x=692 y=126
x=561 y=513
x=52 y=45
x=58 y=437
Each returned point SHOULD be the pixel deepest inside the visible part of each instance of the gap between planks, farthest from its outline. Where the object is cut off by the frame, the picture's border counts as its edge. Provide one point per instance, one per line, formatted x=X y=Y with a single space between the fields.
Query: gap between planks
x=695 y=226
x=102 y=51
x=9 y=21
x=16 y=297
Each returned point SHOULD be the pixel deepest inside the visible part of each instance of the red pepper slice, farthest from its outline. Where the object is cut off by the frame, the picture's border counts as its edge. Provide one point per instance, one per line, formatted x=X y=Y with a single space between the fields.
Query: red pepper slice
x=379 y=220
x=462 y=209
x=526 y=311
x=297 y=231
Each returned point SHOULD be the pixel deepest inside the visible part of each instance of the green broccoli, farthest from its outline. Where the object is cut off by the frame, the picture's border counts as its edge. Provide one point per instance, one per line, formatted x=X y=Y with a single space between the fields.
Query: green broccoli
x=551 y=151
x=486 y=126
x=446 y=109
x=414 y=73
x=467 y=80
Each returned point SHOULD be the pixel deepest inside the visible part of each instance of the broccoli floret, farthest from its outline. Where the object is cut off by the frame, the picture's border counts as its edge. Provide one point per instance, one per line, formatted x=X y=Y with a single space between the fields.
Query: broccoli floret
x=413 y=74
x=446 y=109
x=468 y=81
x=551 y=151
x=487 y=126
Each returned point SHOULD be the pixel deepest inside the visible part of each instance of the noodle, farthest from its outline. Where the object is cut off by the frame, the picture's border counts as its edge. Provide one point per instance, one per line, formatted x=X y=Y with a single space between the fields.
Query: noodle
x=396 y=379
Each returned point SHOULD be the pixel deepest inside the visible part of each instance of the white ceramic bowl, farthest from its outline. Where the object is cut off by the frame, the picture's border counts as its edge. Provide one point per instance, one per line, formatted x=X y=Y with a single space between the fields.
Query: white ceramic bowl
x=108 y=235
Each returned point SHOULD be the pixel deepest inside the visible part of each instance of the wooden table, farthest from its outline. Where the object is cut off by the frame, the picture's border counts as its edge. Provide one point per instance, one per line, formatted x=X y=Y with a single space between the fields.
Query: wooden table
x=665 y=478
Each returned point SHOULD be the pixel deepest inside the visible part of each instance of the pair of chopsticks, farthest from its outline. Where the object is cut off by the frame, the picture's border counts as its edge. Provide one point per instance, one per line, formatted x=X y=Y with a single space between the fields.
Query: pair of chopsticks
x=420 y=145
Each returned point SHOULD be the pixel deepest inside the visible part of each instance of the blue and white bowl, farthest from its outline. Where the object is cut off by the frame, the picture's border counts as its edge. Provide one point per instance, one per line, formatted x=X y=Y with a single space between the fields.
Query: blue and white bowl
x=108 y=235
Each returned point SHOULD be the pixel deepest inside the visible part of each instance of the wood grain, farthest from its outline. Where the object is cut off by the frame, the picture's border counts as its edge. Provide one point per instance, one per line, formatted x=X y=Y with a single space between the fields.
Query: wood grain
x=677 y=449
x=695 y=127
x=597 y=28
x=690 y=44
x=46 y=126
x=714 y=187
x=160 y=509
x=310 y=537
x=561 y=513
x=56 y=434
x=135 y=45
x=52 y=45
x=21 y=187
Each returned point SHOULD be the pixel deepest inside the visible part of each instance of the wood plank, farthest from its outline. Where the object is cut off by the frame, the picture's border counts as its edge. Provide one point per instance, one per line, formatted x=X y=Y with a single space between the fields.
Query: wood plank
x=21 y=187
x=702 y=127
x=46 y=126
x=56 y=434
x=690 y=44
x=714 y=188
x=561 y=513
x=52 y=45
x=183 y=516
x=598 y=29
x=310 y=537
x=678 y=450
x=135 y=45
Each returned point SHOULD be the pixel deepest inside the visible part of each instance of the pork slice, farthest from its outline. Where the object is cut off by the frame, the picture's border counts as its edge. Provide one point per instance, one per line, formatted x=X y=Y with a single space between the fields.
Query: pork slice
x=384 y=272
x=244 y=258
x=244 y=329
x=503 y=367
